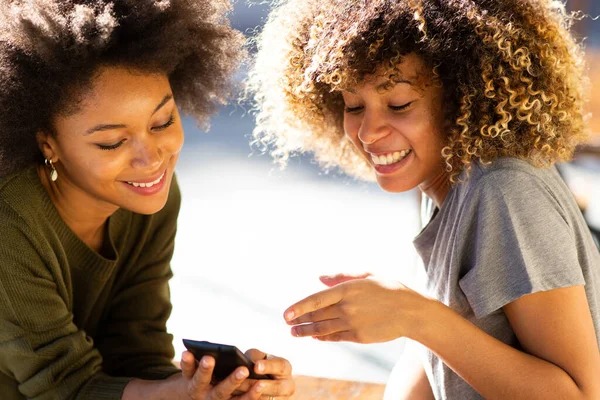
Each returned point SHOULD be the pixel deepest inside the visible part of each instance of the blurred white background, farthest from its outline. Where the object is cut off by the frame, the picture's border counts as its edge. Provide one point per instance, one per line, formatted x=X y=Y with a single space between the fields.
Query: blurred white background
x=253 y=240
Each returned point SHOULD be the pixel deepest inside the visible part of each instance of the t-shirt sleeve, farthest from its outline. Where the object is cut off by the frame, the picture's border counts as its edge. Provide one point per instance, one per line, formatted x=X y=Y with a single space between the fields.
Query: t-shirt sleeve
x=134 y=340
x=519 y=242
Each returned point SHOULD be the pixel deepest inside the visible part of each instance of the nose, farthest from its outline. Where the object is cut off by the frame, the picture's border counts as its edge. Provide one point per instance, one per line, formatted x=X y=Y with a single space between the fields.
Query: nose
x=148 y=153
x=372 y=128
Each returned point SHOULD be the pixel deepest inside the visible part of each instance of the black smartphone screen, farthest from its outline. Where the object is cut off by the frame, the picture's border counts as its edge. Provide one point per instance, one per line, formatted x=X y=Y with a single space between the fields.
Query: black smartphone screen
x=227 y=358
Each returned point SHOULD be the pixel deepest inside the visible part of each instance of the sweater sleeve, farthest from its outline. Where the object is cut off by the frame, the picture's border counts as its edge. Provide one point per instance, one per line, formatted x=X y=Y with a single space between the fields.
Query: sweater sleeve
x=41 y=348
x=45 y=354
x=134 y=339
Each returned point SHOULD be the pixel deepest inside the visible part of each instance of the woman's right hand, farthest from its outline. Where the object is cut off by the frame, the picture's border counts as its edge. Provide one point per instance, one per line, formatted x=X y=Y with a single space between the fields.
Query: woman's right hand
x=196 y=381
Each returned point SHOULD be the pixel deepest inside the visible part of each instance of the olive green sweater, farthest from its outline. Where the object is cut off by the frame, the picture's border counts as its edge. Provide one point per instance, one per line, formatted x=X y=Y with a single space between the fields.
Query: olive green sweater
x=73 y=324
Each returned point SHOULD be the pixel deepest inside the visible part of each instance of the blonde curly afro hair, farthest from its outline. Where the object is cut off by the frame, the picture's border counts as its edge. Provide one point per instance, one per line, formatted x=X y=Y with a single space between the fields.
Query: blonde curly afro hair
x=512 y=75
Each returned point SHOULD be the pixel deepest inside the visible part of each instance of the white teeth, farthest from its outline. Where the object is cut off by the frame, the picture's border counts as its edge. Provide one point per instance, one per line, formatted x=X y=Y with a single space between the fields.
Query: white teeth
x=146 y=185
x=390 y=158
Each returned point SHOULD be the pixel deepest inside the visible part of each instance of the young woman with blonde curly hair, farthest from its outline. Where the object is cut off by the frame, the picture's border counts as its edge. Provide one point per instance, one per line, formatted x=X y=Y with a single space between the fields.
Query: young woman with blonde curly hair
x=471 y=101
x=90 y=134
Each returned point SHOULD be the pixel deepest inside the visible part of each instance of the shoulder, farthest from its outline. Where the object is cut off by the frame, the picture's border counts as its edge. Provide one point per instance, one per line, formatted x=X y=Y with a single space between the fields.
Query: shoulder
x=21 y=202
x=14 y=187
x=22 y=226
x=511 y=192
x=510 y=180
x=508 y=173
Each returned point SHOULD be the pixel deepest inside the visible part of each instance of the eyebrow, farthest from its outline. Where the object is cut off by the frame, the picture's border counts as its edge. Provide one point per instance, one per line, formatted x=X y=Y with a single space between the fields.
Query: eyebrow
x=384 y=85
x=109 y=127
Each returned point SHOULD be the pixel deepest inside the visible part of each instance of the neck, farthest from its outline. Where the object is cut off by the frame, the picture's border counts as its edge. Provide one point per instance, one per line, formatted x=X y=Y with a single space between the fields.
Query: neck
x=84 y=215
x=437 y=188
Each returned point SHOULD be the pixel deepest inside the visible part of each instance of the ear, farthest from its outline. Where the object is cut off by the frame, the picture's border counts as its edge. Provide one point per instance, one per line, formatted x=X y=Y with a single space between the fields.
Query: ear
x=47 y=144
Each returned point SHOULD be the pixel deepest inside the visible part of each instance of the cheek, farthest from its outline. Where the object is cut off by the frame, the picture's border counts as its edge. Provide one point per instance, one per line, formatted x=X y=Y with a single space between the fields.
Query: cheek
x=351 y=128
x=102 y=167
x=425 y=132
x=174 y=140
x=84 y=162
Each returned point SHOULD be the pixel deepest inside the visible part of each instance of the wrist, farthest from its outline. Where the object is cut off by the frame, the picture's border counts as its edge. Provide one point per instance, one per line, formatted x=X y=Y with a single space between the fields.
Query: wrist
x=428 y=316
x=144 y=389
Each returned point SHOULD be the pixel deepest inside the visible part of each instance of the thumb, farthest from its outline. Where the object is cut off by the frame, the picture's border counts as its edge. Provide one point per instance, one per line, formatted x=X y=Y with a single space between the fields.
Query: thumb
x=332 y=280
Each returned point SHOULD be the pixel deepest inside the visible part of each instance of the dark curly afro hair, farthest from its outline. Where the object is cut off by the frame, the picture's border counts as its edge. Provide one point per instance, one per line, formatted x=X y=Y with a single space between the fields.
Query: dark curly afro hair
x=50 y=50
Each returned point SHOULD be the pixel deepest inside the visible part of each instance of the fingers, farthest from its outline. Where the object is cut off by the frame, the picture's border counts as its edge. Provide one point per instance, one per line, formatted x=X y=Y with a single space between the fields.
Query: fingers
x=322 y=328
x=188 y=364
x=271 y=388
x=314 y=302
x=255 y=355
x=282 y=386
x=345 y=336
x=277 y=366
x=203 y=374
x=323 y=314
x=227 y=387
x=255 y=392
x=332 y=280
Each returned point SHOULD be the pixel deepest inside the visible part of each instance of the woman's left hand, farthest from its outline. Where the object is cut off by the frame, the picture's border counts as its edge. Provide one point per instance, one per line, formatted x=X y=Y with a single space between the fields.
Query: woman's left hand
x=282 y=386
x=357 y=310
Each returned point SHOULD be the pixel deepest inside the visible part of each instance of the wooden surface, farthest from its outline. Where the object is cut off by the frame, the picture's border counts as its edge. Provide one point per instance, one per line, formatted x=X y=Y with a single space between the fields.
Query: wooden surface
x=311 y=388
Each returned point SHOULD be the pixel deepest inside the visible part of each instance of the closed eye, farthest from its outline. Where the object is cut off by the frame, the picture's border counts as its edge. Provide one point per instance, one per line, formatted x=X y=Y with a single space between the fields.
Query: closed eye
x=110 y=146
x=400 y=108
x=353 y=110
x=170 y=122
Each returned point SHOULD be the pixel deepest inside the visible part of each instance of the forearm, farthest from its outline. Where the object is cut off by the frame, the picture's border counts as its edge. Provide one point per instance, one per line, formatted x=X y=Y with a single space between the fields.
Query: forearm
x=408 y=380
x=413 y=386
x=494 y=369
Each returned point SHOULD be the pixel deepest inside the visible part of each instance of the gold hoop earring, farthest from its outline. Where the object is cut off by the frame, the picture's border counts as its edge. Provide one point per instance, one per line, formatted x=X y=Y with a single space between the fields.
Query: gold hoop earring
x=53 y=172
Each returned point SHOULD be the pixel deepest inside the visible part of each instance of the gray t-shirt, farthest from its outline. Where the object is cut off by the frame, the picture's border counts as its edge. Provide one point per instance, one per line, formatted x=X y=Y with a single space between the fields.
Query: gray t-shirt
x=510 y=230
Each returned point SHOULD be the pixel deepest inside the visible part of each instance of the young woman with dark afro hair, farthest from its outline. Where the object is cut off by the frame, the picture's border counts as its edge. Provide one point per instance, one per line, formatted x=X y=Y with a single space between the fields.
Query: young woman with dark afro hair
x=472 y=102
x=90 y=133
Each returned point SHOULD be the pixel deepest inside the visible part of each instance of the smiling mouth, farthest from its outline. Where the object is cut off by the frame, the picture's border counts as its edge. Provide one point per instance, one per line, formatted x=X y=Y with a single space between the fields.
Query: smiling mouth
x=390 y=158
x=148 y=184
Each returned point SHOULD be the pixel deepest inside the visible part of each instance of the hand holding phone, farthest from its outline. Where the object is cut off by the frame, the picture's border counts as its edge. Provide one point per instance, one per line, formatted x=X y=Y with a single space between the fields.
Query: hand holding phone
x=227 y=358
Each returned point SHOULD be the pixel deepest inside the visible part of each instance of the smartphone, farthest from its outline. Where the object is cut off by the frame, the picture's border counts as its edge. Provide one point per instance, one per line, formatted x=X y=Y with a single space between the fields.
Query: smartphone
x=227 y=358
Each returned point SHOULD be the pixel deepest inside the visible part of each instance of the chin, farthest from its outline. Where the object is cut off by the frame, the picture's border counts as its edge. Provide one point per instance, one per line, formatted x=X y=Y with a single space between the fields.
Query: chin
x=396 y=185
x=148 y=211
x=147 y=207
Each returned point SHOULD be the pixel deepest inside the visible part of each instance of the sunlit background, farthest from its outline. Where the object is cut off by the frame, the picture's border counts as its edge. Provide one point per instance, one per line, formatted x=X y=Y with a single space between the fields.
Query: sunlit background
x=253 y=239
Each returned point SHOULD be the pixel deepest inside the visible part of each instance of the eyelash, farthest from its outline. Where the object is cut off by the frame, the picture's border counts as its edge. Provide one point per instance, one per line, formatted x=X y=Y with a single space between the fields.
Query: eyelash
x=112 y=146
x=351 y=110
x=170 y=122
x=400 y=108
x=393 y=108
